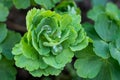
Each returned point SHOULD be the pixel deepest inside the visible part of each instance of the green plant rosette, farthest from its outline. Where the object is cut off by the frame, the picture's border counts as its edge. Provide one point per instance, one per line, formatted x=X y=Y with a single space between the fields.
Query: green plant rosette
x=49 y=43
x=101 y=60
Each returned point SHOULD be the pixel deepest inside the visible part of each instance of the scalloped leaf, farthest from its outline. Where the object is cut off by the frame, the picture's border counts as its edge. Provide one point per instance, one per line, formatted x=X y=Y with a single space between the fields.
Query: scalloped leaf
x=60 y=60
x=23 y=62
x=88 y=64
x=7 y=3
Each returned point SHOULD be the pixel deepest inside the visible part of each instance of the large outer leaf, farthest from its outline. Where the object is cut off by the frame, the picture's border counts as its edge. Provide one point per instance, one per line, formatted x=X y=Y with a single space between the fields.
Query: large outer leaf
x=110 y=71
x=106 y=28
x=3 y=12
x=11 y=39
x=89 y=65
x=7 y=70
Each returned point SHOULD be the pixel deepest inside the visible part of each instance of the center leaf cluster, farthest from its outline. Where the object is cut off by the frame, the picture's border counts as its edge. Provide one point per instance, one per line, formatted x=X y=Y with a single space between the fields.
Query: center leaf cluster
x=50 y=42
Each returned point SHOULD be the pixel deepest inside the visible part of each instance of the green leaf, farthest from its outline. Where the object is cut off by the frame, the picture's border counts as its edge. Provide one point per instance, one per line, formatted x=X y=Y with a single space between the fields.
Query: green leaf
x=106 y=28
x=109 y=71
x=3 y=32
x=17 y=50
x=115 y=49
x=39 y=73
x=0 y=53
x=28 y=50
x=0 y=56
x=48 y=4
x=7 y=45
x=93 y=13
x=42 y=50
x=67 y=6
x=92 y=67
x=65 y=21
x=80 y=46
x=89 y=28
x=99 y=3
x=101 y=49
x=88 y=64
x=29 y=17
x=3 y=13
x=7 y=70
x=7 y=3
x=21 y=4
x=29 y=64
x=60 y=60
x=45 y=72
x=112 y=11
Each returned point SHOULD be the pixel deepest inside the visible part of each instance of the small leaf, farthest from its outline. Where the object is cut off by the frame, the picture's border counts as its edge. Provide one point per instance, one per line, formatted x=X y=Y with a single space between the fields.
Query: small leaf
x=21 y=4
x=16 y=50
x=3 y=32
x=48 y=4
x=60 y=60
x=112 y=11
x=80 y=46
x=101 y=49
x=114 y=51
